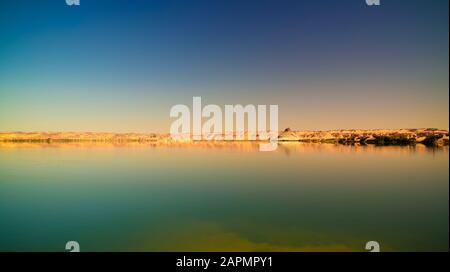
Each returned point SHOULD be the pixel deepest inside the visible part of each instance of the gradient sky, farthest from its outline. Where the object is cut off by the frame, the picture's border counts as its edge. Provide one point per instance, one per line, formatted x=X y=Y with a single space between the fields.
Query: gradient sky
x=117 y=65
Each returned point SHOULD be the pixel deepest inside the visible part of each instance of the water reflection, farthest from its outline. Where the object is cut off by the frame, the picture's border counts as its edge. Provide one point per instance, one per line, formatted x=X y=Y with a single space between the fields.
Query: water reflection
x=209 y=196
x=285 y=147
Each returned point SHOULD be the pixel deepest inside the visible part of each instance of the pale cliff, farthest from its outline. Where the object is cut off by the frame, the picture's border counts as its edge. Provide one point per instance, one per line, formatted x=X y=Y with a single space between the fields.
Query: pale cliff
x=345 y=136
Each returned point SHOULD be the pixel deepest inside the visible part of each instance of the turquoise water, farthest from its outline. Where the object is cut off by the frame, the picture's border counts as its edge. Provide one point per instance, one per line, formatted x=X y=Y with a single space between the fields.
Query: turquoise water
x=207 y=197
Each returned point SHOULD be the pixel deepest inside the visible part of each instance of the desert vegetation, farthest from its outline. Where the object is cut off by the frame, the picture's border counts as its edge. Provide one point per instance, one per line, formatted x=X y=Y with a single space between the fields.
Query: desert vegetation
x=429 y=137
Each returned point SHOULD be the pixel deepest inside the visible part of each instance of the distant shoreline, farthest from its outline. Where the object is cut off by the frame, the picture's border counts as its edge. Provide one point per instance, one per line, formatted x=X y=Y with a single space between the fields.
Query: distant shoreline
x=428 y=136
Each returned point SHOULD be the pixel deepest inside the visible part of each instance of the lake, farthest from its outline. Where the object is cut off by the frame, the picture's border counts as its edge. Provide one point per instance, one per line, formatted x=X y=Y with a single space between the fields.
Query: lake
x=223 y=197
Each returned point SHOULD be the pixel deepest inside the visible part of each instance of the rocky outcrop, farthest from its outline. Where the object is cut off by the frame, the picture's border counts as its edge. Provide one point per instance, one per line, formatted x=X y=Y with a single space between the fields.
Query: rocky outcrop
x=431 y=137
x=372 y=136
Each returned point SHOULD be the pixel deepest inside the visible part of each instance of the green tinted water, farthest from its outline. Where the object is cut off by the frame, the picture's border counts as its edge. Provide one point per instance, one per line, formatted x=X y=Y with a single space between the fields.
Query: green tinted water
x=302 y=197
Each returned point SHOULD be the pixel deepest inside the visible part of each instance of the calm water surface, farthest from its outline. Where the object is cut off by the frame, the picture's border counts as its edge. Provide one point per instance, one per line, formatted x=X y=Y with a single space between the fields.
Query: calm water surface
x=224 y=197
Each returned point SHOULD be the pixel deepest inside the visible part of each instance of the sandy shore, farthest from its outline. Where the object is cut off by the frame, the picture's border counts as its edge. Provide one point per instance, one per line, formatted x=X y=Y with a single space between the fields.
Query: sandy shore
x=352 y=136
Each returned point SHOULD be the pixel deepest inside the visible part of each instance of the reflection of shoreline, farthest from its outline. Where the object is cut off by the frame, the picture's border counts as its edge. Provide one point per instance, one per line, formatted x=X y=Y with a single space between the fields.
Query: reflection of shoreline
x=287 y=148
x=385 y=137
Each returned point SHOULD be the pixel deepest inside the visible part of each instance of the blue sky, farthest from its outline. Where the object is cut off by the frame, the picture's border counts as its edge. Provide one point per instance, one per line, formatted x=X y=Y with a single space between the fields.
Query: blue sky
x=117 y=65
